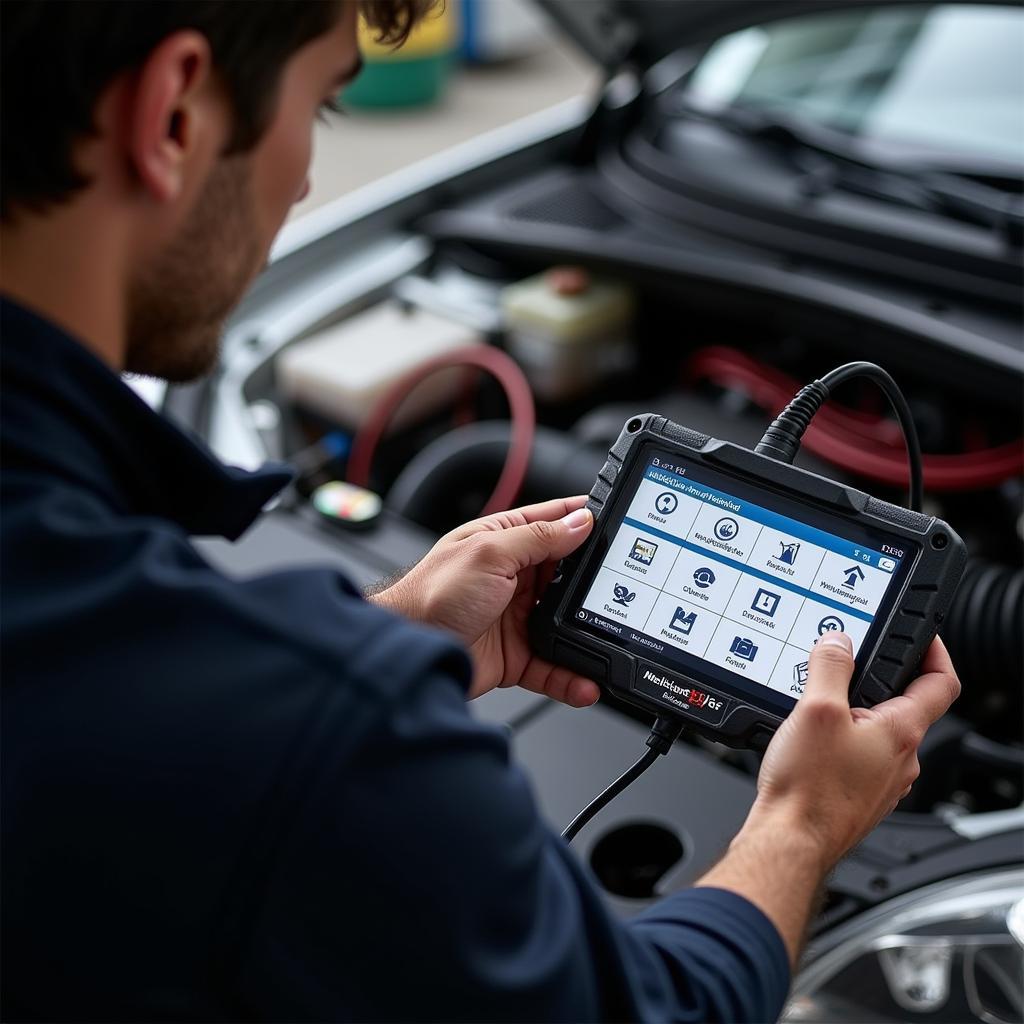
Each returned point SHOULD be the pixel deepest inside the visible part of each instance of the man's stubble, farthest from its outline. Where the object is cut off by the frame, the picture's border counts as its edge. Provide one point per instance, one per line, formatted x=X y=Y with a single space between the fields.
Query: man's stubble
x=177 y=305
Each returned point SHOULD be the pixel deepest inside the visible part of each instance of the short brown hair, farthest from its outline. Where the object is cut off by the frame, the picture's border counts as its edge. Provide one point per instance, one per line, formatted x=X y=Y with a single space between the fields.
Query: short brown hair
x=57 y=56
x=393 y=20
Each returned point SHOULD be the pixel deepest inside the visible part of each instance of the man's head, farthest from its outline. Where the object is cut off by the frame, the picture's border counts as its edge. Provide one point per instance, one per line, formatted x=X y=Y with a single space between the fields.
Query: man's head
x=180 y=127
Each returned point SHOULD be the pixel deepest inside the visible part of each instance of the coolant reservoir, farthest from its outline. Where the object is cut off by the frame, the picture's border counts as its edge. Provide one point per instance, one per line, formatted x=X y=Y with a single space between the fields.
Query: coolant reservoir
x=567 y=330
x=340 y=373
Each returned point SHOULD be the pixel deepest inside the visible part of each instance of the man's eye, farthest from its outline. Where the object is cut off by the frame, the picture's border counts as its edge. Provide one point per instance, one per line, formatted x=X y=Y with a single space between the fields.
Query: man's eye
x=332 y=105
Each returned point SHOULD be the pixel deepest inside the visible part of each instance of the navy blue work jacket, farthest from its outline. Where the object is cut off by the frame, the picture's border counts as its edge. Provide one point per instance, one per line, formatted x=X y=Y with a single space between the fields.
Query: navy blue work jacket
x=267 y=799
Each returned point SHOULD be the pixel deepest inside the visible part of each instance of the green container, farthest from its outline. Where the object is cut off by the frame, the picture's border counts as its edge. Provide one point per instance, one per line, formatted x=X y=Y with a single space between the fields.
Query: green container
x=412 y=82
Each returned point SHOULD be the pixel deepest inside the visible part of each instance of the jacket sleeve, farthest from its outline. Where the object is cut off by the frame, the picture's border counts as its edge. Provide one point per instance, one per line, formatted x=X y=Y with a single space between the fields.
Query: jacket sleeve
x=418 y=882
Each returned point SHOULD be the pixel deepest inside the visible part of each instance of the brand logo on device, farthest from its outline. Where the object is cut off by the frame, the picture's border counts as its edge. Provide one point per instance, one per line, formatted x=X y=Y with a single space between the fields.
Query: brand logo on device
x=696 y=699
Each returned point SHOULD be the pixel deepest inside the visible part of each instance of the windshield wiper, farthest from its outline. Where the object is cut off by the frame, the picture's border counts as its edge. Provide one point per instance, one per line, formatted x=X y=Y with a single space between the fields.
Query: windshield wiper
x=836 y=164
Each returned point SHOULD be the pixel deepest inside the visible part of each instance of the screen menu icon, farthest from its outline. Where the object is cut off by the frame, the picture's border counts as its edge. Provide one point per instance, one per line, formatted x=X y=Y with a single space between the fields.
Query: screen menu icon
x=666 y=503
x=800 y=671
x=765 y=602
x=853 y=576
x=703 y=577
x=788 y=552
x=726 y=528
x=682 y=622
x=643 y=551
x=743 y=647
x=831 y=624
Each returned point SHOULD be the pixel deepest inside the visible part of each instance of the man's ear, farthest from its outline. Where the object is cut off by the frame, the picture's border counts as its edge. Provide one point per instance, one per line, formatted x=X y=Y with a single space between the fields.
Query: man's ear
x=174 y=123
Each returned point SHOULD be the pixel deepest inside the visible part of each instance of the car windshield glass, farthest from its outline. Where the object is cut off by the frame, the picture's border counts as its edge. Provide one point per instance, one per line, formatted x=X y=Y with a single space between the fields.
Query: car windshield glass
x=930 y=81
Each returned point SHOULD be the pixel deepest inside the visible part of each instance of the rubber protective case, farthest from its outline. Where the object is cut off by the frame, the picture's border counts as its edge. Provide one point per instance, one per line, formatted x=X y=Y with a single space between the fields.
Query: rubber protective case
x=903 y=638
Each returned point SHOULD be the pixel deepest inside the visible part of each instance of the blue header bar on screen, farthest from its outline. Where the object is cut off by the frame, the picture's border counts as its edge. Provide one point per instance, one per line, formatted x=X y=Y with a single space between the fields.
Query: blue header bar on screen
x=793 y=527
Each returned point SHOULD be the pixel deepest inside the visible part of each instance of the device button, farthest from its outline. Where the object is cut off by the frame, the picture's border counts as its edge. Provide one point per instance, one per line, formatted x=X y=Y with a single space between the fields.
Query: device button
x=695 y=699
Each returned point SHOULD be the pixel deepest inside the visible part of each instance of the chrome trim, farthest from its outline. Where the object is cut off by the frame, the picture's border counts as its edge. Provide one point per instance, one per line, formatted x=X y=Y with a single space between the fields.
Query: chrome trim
x=830 y=953
x=978 y=826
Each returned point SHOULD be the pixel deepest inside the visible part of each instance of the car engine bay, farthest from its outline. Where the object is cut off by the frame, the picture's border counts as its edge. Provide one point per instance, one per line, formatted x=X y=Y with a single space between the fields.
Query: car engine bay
x=723 y=369
x=475 y=358
x=474 y=339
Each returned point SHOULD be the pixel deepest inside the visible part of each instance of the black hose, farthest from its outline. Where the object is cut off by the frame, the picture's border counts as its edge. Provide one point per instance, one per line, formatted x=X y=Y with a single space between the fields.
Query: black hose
x=984 y=631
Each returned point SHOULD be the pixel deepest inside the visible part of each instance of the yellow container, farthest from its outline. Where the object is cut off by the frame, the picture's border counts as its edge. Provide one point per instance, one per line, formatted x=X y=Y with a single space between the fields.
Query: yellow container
x=412 y=75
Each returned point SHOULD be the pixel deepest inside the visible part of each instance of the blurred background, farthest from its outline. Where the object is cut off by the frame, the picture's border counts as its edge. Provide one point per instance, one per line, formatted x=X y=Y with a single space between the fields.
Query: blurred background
x=474 y=66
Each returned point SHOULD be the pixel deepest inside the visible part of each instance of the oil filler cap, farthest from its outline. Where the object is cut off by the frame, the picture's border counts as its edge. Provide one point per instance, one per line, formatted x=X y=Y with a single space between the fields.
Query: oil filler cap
x=346 y=505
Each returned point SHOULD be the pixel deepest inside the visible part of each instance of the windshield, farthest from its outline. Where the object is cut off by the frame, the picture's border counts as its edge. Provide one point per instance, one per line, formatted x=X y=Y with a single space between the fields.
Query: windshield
x=942 y=80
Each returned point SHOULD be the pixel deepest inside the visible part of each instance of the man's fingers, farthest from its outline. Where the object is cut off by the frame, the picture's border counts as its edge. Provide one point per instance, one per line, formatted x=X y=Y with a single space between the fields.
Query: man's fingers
x=556 y=508
x=559 y=684
x=830 y=667
x=926 y=699
x=929 y=696
x=936 y=659
x=517 y=547
x=544 y=511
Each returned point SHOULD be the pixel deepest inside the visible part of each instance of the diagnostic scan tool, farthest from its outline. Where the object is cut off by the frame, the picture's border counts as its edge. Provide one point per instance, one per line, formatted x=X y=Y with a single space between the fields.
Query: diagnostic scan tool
x=713 y=571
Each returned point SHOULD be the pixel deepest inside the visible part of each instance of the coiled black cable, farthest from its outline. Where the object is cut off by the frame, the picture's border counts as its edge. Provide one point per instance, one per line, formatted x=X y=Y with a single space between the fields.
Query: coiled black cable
x=781 y=440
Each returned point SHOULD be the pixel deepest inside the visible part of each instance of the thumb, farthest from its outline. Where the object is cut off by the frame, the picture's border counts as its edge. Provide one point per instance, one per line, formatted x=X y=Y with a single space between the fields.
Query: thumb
x=544 y=539
x=830 y=670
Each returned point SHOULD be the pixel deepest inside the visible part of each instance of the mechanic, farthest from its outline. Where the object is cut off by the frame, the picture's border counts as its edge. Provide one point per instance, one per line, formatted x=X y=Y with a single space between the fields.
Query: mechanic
x=267 y=798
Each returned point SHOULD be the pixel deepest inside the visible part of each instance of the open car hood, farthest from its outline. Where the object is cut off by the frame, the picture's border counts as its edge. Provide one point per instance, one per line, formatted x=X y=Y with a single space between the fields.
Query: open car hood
x=641 y=32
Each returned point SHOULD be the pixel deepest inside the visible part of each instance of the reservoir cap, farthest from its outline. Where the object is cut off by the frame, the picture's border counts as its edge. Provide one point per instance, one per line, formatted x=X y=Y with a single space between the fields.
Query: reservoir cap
x=347 y=505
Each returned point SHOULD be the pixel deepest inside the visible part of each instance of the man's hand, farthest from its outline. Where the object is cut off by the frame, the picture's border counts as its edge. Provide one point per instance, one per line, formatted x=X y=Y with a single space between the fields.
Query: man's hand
x=481 y=582
x=838 y=770
x=829 y=776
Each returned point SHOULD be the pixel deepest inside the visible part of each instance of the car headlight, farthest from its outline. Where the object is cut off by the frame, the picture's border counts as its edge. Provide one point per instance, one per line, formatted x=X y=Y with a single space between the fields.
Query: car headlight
x=952 y=952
